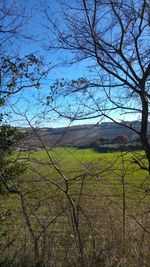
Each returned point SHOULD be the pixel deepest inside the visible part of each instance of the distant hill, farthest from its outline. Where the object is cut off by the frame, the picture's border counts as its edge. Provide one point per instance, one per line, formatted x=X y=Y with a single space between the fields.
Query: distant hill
x=77 y=136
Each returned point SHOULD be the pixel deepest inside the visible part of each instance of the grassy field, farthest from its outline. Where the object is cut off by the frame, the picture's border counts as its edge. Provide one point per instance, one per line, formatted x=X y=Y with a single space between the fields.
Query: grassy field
x=76 y=205
x=103 y=170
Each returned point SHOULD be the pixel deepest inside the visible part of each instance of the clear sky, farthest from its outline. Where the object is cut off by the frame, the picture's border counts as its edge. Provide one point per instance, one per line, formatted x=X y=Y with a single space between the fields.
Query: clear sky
x=28 y=101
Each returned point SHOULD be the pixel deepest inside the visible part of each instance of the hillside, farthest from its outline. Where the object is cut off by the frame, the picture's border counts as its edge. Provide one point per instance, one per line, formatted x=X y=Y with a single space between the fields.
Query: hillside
x=77 y=136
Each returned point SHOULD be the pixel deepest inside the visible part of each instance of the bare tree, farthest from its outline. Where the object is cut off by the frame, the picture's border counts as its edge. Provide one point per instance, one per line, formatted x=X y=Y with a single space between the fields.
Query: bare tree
x=17 y=71
x=114 y=37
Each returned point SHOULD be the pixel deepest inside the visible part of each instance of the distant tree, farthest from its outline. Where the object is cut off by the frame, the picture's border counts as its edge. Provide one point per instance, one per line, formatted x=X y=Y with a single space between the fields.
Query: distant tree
x=120 y=139
x=114 y=37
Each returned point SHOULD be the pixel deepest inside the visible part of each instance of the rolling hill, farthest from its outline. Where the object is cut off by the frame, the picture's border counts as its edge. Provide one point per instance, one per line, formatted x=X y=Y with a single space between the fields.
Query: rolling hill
x=77 y=136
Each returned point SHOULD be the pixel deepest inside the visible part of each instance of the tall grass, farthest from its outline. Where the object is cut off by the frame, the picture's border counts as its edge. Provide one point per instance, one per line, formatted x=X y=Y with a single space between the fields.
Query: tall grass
x=77 y=208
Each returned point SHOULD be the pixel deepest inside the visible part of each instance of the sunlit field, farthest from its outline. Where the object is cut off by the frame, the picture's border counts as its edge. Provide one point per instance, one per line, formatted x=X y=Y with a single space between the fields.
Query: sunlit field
x=77 y=201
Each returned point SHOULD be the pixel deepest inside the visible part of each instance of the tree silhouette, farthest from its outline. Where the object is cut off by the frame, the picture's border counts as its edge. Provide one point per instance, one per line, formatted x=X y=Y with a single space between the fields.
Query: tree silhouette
x=114 y=37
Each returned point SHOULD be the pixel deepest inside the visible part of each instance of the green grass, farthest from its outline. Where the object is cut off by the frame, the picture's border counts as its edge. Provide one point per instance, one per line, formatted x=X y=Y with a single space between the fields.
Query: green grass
x=95 y=182
x=106 y=168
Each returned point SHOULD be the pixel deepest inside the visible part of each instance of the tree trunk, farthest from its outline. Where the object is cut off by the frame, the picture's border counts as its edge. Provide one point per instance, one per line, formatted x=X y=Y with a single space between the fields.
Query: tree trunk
x=32 y=235
x=143 y=132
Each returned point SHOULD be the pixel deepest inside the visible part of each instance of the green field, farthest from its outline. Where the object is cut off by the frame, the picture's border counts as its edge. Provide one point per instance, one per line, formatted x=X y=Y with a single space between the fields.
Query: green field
x=102 y=170
x=74 y=204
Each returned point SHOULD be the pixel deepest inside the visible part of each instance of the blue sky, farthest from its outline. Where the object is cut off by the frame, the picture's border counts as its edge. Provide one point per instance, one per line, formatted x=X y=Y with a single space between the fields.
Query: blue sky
x=26 y=101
